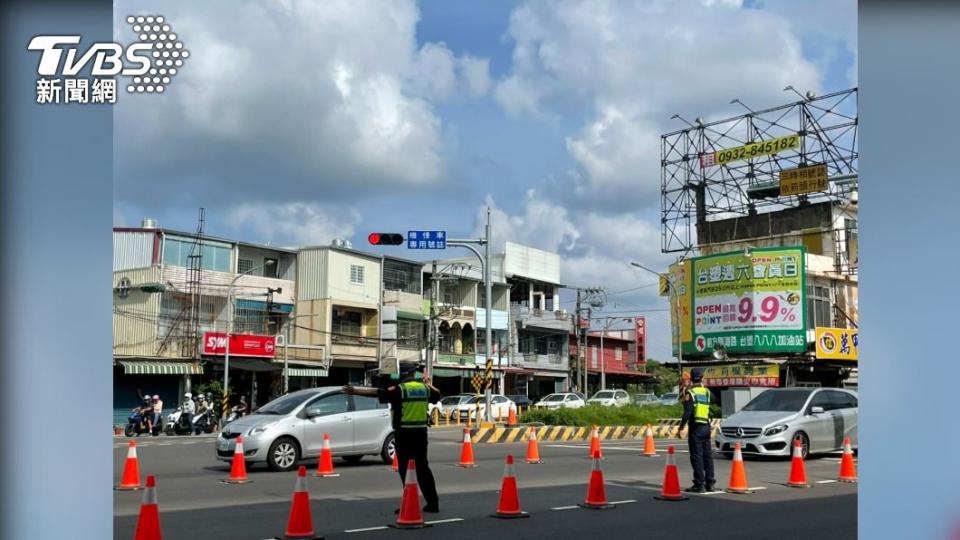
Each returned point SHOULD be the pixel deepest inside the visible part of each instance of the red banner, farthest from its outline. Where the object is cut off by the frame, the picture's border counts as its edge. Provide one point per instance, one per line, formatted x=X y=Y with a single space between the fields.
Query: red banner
x=215 y=344
x=641 y=337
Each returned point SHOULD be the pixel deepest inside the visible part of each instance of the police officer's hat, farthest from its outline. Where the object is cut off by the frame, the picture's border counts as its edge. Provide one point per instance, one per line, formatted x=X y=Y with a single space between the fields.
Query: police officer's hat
x=696 y=375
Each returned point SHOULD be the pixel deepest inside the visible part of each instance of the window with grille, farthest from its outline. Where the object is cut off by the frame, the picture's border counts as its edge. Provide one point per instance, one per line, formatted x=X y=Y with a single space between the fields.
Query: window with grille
x=347 y=323
x=409 y=334
x=818 y=306
x=618 y=354
x=244 y=265
x=356 y=274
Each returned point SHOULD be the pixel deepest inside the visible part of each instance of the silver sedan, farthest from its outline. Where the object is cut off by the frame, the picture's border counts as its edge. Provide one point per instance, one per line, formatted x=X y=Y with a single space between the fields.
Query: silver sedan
x=819 y=417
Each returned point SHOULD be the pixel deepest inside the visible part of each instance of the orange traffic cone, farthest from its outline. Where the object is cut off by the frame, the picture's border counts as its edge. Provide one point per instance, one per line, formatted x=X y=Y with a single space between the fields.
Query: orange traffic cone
x=410 y=516
x=300 y=522
x=649 y=448
x=148 y=524
x=238 y=469
x=798 y=474
x=395 y=466
x=466 y=452
x=738 y=474
x=848 y=471
x=596 y=492
x=131 y=470
x=533 y=449
x=671 y=480
x=509 y=505
x=595 y=443
x=512 y=417
x=325 y=466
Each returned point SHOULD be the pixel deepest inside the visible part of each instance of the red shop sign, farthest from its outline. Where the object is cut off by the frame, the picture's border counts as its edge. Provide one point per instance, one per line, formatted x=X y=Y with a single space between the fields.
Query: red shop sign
x=215 y=343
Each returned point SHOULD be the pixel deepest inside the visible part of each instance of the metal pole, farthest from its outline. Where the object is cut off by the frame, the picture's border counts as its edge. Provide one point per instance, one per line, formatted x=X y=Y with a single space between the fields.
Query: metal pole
x=603 y=359
x=286 y=355
x=226 y=354
x=488 y=284
x=380 y=326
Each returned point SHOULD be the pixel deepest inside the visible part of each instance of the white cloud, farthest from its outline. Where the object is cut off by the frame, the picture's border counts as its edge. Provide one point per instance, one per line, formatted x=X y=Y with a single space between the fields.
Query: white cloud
x=541 y=224
x=296 y=223
x=630 y=65
x=476 y=74
x=321 y=98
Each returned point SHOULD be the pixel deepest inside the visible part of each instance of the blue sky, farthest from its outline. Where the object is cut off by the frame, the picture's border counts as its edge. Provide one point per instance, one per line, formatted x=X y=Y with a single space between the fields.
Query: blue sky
x=293 y=123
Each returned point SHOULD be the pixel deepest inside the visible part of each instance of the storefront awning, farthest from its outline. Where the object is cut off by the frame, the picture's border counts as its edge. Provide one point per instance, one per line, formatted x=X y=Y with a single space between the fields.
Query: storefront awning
x=415 y=315
x=247 y=364
x=555 y=374
x=306 y=372
x=137 y=367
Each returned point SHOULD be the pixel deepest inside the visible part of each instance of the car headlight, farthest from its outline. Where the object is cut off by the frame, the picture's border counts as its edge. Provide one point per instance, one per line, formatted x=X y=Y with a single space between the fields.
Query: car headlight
x=258 y=430
x=775 y=429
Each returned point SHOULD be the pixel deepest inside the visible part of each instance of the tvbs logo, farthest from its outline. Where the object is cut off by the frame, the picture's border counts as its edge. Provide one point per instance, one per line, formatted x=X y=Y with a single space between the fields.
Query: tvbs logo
x=149 y=63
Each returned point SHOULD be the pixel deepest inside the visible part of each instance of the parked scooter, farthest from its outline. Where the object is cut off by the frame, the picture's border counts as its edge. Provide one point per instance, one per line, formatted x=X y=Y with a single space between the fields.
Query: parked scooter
x=176 y=423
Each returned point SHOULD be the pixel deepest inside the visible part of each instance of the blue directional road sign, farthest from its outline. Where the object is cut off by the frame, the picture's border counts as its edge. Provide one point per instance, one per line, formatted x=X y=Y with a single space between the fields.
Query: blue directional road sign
x=427 y=239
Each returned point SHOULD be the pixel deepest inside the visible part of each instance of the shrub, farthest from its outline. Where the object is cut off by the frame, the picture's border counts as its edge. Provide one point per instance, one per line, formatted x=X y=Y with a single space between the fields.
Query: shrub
x=630 y=415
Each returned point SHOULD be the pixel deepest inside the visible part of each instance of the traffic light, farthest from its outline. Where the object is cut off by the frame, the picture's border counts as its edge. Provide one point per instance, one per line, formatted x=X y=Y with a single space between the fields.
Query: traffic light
x=385 y=239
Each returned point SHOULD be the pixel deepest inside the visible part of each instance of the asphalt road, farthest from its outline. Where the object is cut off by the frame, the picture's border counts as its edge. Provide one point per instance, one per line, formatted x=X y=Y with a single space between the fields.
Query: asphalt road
x=194 y=504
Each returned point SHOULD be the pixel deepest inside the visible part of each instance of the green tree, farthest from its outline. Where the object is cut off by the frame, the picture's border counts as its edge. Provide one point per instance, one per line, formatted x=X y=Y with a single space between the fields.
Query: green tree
x=666 y=374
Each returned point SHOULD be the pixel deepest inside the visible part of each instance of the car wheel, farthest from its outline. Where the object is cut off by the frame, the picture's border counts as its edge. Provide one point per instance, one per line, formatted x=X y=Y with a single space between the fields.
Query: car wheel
x=352 y=460
x=804 y=444
x=284 y=454
x=389 y=449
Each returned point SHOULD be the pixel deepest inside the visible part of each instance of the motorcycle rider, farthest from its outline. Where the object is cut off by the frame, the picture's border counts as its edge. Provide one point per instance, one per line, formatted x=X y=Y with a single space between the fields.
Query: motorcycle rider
x=189 y=408
x=242 y=407
x=204 y=409
x=157 y=412
x=146 y=413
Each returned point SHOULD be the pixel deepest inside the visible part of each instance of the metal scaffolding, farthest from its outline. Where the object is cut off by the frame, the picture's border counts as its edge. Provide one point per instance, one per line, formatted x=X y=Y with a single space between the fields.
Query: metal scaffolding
x=697 y=187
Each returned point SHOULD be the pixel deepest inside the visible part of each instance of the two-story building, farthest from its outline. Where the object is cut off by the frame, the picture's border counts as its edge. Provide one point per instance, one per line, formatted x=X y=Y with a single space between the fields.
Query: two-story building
x=170 y=291
x=613 y=358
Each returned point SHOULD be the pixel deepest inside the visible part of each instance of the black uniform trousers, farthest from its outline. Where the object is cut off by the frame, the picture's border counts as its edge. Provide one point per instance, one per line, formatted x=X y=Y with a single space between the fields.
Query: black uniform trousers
x=411 y=443
x=701 y=455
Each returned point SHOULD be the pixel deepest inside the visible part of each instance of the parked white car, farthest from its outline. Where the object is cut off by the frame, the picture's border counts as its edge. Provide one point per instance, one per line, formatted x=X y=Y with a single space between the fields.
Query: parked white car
x=447 y=404
x=560 y=400
x=610 y=398
x=500 y=406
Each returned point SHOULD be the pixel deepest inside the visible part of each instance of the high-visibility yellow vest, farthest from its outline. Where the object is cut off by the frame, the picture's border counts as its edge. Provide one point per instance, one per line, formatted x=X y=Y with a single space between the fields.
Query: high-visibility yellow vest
x=701 y=404
x=414 y=413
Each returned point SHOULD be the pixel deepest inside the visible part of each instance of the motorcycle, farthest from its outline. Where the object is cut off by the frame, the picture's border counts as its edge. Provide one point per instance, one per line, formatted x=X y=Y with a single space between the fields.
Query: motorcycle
x=235 y=412
x=176 y=423
x=137 y=424
x=204 y=422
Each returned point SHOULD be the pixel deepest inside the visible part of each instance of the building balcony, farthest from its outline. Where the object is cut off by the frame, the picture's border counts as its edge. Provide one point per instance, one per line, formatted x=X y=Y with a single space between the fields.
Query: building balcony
x=554 y=361
x=353 y=346
x=538 y=318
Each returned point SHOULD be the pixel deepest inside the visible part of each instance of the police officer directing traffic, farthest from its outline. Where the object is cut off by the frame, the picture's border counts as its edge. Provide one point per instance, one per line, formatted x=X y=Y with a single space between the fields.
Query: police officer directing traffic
x=696 y=413
x=409 y=401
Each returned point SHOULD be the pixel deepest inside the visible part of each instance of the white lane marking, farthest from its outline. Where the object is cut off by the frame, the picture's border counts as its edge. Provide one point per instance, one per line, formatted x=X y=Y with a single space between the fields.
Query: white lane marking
x=713 y=493
x=380 y=528
x=757 y=488
x=439 y=521
x=628 y=501
x=565 y=507
x=624 y=448
x=826 y=481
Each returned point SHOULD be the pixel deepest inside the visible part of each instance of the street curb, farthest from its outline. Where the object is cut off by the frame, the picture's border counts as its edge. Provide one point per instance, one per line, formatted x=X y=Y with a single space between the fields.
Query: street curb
x=496 y=435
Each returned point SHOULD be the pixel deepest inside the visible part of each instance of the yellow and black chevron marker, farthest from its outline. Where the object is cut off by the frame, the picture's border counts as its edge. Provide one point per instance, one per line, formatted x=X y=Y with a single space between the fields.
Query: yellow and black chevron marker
x=503 y=434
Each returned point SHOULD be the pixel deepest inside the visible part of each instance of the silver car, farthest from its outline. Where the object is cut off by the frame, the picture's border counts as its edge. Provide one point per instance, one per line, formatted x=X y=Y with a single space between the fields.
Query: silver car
x=819 y=417
x=291 y=428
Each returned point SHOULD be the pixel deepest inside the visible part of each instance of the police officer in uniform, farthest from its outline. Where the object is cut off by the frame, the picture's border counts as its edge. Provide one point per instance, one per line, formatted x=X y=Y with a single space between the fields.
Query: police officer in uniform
x=696 y=414
x=409 y=401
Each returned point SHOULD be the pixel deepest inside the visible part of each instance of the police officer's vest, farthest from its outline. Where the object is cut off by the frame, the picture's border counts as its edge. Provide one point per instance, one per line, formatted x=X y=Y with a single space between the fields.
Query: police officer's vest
x=701 y=404
x=414 y=412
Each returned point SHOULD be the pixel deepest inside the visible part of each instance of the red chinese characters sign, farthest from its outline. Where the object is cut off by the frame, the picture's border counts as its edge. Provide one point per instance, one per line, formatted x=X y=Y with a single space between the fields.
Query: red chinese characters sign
x=215 y=344
x=641 y=337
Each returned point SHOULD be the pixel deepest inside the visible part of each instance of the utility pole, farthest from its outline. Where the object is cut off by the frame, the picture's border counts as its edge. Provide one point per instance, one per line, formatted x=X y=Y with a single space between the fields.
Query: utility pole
x=433 y=333
x=577 y=328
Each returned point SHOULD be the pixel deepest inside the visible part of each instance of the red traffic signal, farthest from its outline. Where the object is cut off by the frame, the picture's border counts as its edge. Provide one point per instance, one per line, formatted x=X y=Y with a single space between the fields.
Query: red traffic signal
x=385 y=239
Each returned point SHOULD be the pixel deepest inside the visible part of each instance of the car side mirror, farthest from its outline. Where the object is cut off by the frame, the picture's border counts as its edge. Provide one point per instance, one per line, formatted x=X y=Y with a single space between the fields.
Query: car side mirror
x=816 y=410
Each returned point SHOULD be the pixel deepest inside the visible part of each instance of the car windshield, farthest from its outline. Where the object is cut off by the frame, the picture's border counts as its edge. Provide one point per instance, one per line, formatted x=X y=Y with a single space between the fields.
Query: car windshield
x=453 y=400
x=670 y=397
x=554 y=397
x=603 y=395
x=285 y=404
x=473 y=399
x=779 y=400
